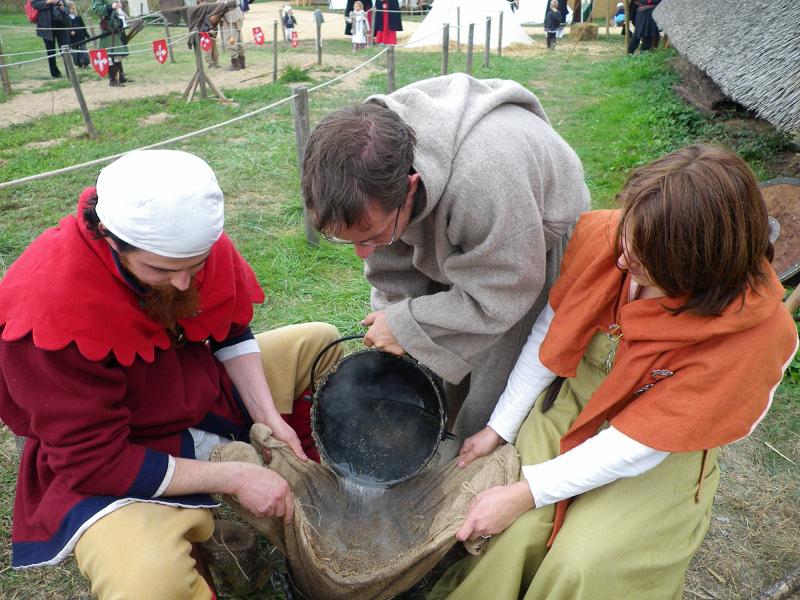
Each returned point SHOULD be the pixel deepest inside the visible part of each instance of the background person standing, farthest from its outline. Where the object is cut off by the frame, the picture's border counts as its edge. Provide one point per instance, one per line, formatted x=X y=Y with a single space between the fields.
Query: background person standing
x=51 y=26
x=232 y=23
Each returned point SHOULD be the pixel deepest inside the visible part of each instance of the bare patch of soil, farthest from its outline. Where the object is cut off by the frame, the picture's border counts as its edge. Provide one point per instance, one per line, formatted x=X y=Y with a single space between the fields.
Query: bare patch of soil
x=44 y=143
x=155 y=119
x=752 y=540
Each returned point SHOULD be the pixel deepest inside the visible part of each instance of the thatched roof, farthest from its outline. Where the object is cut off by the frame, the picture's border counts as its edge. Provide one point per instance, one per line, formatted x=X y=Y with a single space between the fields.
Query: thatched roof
x=750 y=49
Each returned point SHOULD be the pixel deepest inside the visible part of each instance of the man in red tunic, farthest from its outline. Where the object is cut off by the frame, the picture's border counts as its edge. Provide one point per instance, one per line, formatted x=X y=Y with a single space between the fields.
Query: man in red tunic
x=125 y=355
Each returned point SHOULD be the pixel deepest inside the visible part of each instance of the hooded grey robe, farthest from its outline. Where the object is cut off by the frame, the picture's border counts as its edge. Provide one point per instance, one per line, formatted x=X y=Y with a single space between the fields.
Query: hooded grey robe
x=464 y=283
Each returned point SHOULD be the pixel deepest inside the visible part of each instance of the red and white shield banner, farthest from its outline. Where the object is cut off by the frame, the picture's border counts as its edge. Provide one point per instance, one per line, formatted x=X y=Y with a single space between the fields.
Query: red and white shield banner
x=160 y=50
x=205 y=42
x=258 y=36
x=99 y=60
x=294 y=39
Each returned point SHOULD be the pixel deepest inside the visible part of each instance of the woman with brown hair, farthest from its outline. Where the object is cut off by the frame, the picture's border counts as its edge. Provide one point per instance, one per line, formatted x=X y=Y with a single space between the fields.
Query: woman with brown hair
x=665 y=338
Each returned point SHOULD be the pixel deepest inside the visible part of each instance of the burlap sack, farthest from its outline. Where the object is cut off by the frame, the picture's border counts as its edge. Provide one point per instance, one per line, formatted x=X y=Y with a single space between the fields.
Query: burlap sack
x=354 y=543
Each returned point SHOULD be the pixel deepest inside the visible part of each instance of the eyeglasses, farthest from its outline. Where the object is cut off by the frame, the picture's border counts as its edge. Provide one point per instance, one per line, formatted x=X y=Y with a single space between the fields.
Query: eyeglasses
x=336 y=240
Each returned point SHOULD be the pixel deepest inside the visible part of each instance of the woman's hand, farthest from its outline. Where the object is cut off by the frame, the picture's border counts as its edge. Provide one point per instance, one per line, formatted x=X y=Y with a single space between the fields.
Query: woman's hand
x=492 y=511
x=480 y=444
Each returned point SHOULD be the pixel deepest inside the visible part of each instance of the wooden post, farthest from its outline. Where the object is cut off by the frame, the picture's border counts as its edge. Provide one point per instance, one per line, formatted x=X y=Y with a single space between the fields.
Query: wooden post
x=4 y=73
x=445 y=47
x=198 y=62
x=319 y=43
x=470 y=47
x=371 y=36
x=608 y=17
x=488 y=45
x=169 y=42
x=458 y=29
x=627 y=24
x=390 y=69
x=792 y=303
x=274 y=51
x=77 y=87
x=500 y=36
x=301 y=131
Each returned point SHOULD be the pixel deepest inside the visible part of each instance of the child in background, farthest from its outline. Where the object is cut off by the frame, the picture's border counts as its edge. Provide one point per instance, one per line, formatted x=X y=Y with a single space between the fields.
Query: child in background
x=552 y=21
x=77 y=37
x=619 y=16
x=360 y=26
x=289 y=22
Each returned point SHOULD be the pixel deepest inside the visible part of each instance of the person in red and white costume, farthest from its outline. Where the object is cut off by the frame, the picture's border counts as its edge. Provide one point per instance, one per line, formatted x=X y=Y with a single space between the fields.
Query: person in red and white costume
x=125 y=355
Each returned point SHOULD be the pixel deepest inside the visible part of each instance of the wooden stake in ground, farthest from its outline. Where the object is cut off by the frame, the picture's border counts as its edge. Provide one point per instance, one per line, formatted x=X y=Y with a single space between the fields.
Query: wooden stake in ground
x=4 y=73
x=500 y=36
x=274 y=51
x=318 y=19
x=301 y=132
x=200 y=79
x=76 y=85
x=445 y=47
x=470 y=47
x=488 y=45
x=390 y=69
x=627 y=23
x=458 y=29
x=371 y=34
x=169 y=41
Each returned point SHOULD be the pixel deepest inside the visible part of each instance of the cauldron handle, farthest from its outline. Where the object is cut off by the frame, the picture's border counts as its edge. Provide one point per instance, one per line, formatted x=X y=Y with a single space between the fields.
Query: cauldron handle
x=322 y=352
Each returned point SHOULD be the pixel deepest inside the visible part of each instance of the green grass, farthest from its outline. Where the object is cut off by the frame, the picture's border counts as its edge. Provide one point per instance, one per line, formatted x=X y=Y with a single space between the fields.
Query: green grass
x=617 y=112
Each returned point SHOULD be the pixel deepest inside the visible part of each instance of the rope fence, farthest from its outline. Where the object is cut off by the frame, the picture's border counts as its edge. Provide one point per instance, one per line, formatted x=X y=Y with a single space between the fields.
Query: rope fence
x=300 y=94
x=191 y=134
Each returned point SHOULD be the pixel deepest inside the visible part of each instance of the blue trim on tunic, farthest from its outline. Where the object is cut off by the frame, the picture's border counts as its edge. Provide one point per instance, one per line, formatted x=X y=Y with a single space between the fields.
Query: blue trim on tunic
x=246 y=335
x=151 y=474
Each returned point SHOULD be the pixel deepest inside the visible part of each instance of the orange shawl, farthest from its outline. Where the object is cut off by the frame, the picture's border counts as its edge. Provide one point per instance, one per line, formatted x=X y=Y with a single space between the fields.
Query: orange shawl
x=680 y=383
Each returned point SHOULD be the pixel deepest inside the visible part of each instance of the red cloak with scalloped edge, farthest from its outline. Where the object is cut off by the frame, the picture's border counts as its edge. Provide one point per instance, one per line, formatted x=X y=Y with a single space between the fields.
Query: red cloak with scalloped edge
x=67 y=288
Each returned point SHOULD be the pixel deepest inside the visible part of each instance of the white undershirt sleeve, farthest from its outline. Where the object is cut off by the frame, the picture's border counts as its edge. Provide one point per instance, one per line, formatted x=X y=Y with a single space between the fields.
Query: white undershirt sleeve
x=603 y=458
x=167 y=477
x=528 y=379
x=246 y=347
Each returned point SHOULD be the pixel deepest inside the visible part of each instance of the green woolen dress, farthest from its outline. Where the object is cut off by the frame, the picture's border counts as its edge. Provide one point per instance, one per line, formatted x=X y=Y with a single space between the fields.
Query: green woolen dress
x=630 y=539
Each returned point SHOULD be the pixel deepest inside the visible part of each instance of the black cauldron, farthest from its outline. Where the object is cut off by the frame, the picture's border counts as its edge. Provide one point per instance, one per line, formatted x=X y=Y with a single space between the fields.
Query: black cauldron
x=377 y=418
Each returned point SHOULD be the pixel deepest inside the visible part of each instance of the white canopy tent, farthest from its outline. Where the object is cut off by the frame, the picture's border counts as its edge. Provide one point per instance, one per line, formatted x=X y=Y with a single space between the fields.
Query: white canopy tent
x=429 y=32
x=532 y=11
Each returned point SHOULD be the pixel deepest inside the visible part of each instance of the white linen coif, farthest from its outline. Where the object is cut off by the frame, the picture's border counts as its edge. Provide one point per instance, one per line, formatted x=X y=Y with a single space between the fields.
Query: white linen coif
x=163 y=201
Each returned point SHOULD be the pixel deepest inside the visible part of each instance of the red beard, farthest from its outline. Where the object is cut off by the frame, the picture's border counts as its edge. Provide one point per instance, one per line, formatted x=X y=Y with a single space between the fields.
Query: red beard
x=167 y=304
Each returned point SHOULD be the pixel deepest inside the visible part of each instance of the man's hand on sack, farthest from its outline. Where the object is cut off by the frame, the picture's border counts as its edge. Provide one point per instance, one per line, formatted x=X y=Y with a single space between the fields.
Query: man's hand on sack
x=264 y=493
x=379 y=335
x=283 y=432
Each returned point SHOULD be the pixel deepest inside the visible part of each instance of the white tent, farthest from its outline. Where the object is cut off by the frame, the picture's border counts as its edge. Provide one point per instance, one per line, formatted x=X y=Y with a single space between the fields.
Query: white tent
x=532 y=11
x=429 y=32
x=337 y=4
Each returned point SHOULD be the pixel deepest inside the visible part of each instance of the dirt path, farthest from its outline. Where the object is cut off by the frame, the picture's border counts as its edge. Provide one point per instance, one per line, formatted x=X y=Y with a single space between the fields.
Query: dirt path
x=27 y=105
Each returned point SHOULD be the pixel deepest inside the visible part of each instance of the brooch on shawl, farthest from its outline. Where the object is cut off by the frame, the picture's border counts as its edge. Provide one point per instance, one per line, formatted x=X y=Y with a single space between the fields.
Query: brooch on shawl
x=614 y=333
x=658 y=375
